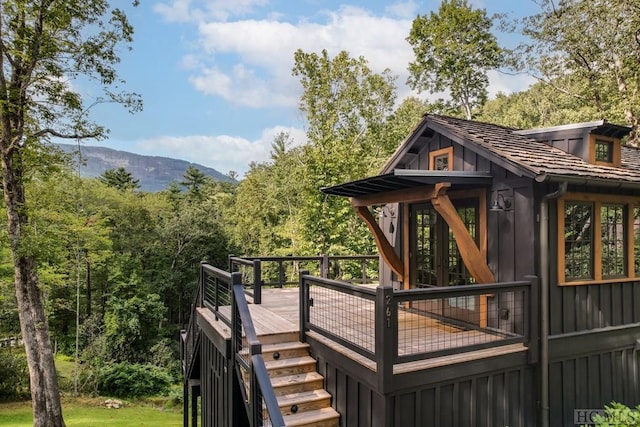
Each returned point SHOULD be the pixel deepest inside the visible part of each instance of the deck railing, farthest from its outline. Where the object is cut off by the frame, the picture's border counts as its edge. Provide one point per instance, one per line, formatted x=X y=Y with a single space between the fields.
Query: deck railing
x=284 y=271
x=216 y=291
x=393 y=327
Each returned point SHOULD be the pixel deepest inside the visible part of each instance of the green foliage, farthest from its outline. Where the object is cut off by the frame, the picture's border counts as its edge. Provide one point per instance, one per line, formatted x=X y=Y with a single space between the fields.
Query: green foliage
x=454 y=48
x=130 y=326
x=133 y=380
x=618 y=415
x=588 y=50
x=14 y=375
x=120 y=179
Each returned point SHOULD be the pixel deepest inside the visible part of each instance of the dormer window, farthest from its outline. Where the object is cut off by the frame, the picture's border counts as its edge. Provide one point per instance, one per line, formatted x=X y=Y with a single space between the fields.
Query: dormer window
x=441 y=160
x=604 y=151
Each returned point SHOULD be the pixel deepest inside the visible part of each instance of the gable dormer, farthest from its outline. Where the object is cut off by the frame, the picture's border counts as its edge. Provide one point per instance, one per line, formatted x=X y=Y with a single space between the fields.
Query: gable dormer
x=598 y=142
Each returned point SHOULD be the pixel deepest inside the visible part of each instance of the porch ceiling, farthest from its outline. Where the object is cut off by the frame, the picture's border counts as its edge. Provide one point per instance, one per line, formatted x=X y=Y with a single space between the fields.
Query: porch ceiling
x=401 y=179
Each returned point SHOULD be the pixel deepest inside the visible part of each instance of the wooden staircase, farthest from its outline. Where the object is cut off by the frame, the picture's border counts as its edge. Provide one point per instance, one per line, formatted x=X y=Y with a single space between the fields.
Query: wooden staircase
x=297 y=385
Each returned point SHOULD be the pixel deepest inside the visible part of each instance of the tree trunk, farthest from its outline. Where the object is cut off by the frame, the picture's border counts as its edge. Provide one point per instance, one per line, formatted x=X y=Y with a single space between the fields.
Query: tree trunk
x=47 y=410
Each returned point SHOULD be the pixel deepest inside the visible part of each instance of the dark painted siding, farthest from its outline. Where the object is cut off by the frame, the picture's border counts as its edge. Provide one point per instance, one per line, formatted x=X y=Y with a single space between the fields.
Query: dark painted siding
x=592 y=381
x=497 y=399
x=481 y=396
x=586 y=307
x=214 y=386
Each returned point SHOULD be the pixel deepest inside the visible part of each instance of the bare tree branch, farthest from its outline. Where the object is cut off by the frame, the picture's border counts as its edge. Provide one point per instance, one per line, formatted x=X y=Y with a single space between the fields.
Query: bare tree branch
x=53 y=132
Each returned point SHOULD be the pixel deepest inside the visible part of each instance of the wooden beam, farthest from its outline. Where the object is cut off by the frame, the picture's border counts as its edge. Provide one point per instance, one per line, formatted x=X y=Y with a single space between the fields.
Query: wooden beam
x=471 y=255
x=407 y=195
x=384 y=247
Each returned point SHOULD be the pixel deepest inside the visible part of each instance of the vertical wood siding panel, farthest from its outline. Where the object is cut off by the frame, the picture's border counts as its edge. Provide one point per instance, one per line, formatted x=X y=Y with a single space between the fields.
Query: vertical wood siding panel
x=483 y=404
x=342 y=405
x=352 y=398
x=515 y=410
x=627 y=302
x=446 y=406
x=616 y=300
x=555 y=395
x=378 y=414
x=470 y=159
x=364 y=405
x=500 y=405
x=465 y=404
x=568 y=309
x=581 y=307
x=427 y=407
x=405 y=409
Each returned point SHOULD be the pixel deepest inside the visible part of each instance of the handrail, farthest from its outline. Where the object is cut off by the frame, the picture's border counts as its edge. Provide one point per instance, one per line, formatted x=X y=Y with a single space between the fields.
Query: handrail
x=260 y=386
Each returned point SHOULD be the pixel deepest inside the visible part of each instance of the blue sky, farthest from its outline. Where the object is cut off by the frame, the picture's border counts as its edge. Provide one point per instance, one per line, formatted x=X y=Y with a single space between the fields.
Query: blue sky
x=215 y=75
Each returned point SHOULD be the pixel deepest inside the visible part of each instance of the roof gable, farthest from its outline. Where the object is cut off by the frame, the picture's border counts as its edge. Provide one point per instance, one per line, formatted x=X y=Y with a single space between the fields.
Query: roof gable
x=518 y=153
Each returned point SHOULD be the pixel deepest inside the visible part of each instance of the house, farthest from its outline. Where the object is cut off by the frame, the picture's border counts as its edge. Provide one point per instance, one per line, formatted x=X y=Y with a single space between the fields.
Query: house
x=509 y=290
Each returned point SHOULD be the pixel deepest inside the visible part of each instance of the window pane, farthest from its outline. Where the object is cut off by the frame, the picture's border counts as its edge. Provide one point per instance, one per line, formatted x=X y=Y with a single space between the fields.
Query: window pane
x=441 y=163
x=613 y=247
x=604 y=151
x=578 y=240
x=426 y=247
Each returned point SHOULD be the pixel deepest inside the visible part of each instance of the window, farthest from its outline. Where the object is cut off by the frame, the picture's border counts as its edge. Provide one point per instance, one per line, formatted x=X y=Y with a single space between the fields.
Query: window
x=598 y=238
x=441 y=160
x=604 y=151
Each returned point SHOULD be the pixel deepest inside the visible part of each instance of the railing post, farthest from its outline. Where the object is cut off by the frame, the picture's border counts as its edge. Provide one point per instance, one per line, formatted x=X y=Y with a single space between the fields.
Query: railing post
x=257 y=281
x=236 y=322
x=303 y=306
x=324 y=266
x=364 y=264
x=280 y=274
x=230 y=262
x=533 y=319
x=201 y=284
x=386 y=345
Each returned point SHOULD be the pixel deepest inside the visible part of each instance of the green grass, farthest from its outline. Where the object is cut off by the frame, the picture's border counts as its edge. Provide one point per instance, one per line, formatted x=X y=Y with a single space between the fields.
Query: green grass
x=92 y=412
x=89 y=412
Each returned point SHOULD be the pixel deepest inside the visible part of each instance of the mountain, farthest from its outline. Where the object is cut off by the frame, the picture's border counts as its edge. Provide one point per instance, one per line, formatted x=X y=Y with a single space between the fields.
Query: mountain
x=155 y=173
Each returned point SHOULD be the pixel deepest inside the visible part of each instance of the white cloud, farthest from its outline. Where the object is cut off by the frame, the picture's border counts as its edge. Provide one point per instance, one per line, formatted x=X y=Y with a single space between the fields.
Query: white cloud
x=407 y=9
x=261 y=52
x=223 y=152
x=198 y=10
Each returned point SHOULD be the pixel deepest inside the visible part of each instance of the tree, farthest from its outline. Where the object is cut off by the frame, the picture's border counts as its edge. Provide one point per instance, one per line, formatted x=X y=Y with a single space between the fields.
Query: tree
x=43 y=45
x=194 y=179
x=345 y=105
x=588 y=49
x=454 y=49
x=119 y=178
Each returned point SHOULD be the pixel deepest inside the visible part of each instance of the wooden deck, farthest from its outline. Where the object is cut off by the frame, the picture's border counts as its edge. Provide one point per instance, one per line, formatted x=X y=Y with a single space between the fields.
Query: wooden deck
x=278 y=314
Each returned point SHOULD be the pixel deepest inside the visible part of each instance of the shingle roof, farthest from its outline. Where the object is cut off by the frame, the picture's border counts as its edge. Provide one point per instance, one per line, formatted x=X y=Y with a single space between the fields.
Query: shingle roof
x=533 y=158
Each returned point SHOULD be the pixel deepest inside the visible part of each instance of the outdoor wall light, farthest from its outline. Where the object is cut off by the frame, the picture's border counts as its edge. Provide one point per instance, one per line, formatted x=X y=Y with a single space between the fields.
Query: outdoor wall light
x=389 y=213
x=497 y=206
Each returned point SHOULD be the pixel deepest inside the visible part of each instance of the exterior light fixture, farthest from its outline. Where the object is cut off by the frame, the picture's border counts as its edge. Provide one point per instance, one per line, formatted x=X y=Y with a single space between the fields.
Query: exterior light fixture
x=497 y=206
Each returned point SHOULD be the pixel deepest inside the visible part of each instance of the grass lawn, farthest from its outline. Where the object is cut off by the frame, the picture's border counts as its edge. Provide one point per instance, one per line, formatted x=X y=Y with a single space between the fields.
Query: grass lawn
x=92 y=412
x=89 y=412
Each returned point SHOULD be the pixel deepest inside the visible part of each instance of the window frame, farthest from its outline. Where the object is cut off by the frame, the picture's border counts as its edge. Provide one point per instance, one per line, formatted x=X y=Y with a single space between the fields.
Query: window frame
x=616 y=150
x=433 y=155
x=629 y=203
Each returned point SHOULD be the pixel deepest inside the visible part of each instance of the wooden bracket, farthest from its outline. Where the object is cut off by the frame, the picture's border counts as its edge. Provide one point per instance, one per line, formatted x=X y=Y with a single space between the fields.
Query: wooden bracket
x=386 y=250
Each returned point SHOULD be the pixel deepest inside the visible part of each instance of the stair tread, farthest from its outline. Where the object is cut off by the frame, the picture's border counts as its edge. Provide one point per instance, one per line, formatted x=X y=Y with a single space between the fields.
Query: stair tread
x=310 y=417
x=294 y=361
x=290 y=345
x=285 y=380
x=303 y=396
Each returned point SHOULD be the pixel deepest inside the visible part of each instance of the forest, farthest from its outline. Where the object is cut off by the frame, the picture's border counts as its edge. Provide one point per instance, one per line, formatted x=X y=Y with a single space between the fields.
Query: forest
x=116 y=267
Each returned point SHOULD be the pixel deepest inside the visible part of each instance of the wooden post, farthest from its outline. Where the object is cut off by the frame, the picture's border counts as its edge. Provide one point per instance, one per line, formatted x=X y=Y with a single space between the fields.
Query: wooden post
x=257 y=281
x=303 y=306
x=194 y=407
x=280 y=274
x=324 y=266
x=185 y=403
x=386 y=340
